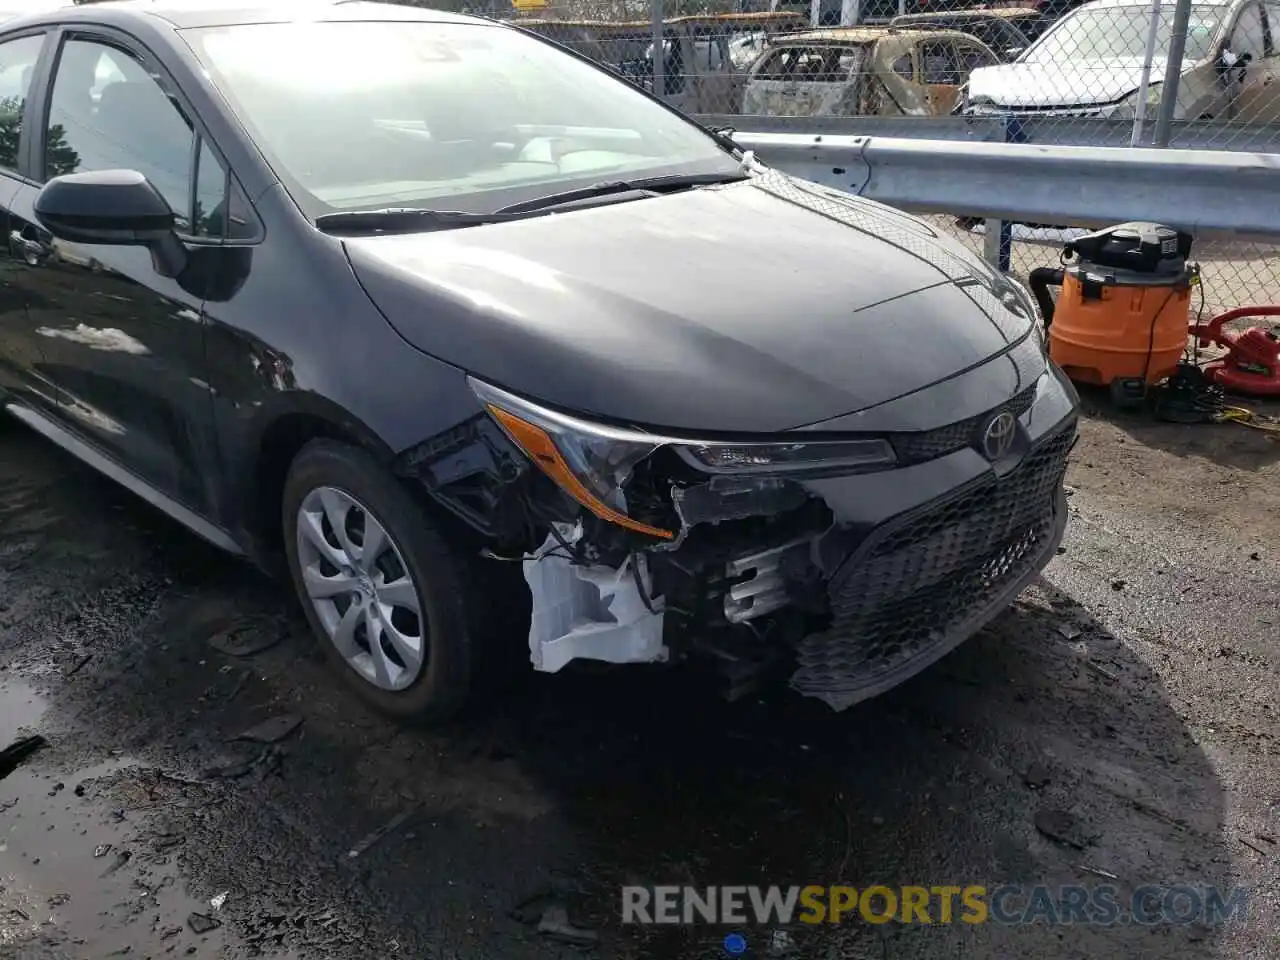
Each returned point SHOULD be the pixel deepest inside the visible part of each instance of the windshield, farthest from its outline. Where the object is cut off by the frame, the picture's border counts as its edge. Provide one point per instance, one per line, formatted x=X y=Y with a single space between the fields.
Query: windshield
x=819 y=64
x=1105 y=33
x=453 y=116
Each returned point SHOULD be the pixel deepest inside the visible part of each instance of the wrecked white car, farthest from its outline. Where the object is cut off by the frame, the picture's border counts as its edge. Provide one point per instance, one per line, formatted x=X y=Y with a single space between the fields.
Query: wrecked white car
x=1090 y=64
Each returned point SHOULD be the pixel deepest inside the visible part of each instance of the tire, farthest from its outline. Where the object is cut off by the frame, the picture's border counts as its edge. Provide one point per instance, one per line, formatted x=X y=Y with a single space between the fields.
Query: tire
x=326 y=479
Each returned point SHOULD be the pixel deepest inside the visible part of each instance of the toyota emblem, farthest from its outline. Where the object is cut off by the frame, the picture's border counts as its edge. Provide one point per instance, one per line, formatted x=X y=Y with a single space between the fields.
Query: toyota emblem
x=998 y=437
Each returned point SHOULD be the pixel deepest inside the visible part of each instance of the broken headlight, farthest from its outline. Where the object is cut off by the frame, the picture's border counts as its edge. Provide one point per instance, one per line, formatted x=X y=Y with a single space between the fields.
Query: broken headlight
x=590 y=461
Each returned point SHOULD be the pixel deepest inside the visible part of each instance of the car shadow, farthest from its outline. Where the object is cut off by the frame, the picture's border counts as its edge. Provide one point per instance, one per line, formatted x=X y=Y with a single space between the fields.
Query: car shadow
x=942 y=781
x=1043 y=752
x=1227 y=444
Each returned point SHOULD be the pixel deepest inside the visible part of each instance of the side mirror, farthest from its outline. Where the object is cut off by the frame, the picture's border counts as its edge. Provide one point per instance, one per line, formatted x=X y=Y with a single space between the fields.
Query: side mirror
x=1014 y=52
x=115 y=207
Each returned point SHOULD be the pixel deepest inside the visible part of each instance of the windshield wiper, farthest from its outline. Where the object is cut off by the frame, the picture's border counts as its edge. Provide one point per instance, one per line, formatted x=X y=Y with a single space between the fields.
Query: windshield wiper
x=645 y=186
x=414 y=219
x=402 y=219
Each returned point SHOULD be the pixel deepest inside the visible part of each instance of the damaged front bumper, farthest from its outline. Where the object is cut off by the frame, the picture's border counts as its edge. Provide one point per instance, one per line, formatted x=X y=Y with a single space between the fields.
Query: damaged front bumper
x=919 y=586
x=853 y=582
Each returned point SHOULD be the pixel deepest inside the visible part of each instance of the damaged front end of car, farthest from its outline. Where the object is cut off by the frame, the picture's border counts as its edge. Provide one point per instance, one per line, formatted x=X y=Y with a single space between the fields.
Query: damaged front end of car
x=640 y=548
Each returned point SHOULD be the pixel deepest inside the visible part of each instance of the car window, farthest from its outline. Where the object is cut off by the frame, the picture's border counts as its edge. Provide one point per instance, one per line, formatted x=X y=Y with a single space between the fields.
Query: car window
x=1120 y=33
x=106 y=73
x=938 y=64
x=1248 y=35
x=812 y=64
x=904 y=68
x=99 y=122
x=971 y=57
x=1016 y=33
x=463 y=116
x=220 y=212
x=17 y=64
x=989 y=32
x=1024 y=30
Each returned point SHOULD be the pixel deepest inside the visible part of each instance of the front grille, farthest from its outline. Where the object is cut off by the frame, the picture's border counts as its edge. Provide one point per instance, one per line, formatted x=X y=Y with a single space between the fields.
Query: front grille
x=930 y=444
x=913 y=585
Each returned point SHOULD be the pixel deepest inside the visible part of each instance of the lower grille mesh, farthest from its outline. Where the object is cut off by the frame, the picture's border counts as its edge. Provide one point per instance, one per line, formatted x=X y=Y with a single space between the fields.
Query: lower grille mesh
x=914 y=583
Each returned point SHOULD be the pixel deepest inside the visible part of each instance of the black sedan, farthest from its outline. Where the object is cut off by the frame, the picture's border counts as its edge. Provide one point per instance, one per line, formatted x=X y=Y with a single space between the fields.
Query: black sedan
x=466 y=331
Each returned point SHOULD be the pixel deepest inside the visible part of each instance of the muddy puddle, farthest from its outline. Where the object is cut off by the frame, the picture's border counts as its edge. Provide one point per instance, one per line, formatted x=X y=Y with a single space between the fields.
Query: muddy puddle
x=84 y=872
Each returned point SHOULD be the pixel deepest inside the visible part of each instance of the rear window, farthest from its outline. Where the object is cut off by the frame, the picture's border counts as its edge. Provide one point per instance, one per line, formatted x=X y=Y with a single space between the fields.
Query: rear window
x=812 y=64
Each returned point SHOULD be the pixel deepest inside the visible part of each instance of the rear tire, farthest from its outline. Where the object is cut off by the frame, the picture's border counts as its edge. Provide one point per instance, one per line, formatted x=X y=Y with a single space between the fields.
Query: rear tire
x=407 y=595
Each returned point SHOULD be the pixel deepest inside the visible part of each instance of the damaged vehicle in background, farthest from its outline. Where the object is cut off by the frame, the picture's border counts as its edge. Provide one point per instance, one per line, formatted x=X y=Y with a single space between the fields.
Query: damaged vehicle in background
x=520 y=359
x=1090 y=63
x=1006 y=30
x=863 y=71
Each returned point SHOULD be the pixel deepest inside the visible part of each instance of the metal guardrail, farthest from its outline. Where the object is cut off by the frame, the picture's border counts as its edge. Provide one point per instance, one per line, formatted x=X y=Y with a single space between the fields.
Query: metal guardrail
x=1207 y=192
x=1045 y=131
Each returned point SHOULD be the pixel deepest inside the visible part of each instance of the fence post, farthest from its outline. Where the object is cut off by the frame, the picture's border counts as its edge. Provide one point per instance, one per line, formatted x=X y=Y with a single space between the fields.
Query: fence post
x=659 y=60
x=1144 y=82
x=1172 y=73
x=997 y=243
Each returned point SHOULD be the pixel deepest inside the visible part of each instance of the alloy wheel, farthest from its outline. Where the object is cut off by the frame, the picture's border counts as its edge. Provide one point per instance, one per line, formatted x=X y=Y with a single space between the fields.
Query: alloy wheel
x=360 y=587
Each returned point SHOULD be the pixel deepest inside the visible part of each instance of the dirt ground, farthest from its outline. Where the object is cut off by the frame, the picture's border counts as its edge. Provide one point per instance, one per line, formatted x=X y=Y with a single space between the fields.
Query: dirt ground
x=1127 y=706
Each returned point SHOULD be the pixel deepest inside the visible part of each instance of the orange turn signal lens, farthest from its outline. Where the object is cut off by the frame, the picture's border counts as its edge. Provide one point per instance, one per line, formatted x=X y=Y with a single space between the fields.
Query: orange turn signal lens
x=542 y=450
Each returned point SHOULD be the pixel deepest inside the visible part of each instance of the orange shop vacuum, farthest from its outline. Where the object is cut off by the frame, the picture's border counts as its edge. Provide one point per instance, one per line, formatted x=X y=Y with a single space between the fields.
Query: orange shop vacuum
x=1120 y=319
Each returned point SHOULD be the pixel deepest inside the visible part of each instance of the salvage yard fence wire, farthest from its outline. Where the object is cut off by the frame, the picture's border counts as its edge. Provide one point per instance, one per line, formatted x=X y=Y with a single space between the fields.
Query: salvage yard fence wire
x=765 y=58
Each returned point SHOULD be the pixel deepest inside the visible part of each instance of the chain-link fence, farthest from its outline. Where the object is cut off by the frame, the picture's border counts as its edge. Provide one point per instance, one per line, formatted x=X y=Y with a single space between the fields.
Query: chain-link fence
x=1132 y=71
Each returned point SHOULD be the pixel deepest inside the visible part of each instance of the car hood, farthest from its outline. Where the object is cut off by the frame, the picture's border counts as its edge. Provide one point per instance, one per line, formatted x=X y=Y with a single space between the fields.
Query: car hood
x=1065 y=84
x=758 y=306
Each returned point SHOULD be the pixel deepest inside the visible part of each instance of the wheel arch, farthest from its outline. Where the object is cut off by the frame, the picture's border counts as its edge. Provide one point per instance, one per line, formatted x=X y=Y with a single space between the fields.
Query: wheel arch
x=274 y=442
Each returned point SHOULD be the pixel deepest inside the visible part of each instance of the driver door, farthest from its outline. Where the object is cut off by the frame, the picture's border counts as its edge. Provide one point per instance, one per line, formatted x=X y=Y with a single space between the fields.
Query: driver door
x=122 y=344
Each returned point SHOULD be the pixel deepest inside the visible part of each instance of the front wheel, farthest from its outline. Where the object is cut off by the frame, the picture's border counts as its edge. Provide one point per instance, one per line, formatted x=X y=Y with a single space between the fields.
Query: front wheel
x=379 y=585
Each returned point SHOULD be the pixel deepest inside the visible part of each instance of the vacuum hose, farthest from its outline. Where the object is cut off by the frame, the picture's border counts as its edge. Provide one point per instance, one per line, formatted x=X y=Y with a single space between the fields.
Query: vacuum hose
x=1040 y=280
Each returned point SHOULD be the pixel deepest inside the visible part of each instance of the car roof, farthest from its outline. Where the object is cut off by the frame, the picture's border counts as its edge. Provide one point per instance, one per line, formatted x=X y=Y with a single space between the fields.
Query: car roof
x=183 y=14
x=1147 y=3
x=996 y=13
x=838 y=35
x=710 y=19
